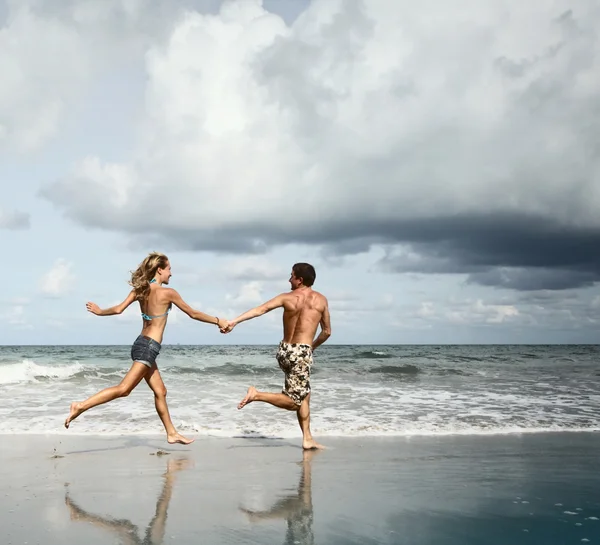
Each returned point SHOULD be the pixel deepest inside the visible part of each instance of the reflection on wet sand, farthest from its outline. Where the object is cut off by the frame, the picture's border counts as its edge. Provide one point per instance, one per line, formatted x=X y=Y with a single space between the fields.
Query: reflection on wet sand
x=125 y=529
x=297 y=509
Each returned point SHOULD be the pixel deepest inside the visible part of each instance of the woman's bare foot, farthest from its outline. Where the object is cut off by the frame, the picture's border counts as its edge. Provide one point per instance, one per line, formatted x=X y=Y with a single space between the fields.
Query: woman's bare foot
x=250 y=397
x=311 y=444
x=75 y=411
x=179 y=464
x=178 y=438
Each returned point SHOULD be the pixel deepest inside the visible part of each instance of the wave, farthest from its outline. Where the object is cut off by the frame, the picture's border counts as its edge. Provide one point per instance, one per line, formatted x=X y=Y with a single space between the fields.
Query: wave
x=396 y=370
x=529 y=356
x=461 y=358
x=372 y=355
x=450 y=371
x=264 y=432
x=227 y=369
x=29 y=371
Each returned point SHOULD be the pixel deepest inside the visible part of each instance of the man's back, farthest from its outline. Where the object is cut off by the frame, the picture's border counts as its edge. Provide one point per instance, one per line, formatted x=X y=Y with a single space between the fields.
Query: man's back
x=303 y=311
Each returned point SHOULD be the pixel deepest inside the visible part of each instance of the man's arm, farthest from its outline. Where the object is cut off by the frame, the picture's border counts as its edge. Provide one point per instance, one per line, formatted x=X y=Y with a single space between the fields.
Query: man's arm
x=325 y=328
x=270 y=305
x=117 y=309
x=176 y=299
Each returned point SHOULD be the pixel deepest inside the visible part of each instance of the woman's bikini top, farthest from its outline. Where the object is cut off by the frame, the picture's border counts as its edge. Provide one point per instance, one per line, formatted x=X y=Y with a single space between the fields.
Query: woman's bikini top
x=146 y=317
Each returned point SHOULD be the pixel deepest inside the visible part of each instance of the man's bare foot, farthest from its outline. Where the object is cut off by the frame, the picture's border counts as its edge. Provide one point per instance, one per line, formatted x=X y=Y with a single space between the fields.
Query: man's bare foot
x=73 y=413
x=311 y=444
x=178 y=438
x=250 y=397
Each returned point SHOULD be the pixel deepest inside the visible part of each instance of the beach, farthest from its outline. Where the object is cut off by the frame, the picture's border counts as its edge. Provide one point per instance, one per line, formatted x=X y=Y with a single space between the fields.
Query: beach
x=518 y=488
x=449 y=445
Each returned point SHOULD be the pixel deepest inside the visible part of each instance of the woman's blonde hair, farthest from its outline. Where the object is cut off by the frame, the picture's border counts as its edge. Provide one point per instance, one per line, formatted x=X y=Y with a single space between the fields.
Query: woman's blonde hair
x=146 y=271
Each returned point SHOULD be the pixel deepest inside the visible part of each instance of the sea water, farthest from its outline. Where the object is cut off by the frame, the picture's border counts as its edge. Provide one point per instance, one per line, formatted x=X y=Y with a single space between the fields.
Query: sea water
x=356 y=390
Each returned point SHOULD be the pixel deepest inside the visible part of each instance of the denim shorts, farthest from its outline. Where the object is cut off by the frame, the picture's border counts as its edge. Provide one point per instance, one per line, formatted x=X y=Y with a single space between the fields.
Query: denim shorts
x=145 y=350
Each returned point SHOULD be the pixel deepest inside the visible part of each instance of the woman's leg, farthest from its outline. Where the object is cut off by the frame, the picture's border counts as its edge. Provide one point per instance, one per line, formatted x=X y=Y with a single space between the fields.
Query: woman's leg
x=130 y=381
x=157 y=385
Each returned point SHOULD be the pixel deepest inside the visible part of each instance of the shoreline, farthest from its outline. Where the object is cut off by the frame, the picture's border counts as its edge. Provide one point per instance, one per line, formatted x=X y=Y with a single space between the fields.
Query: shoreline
x=158 y=440
x=451 y=490
x=296 y=436
x=332 y=344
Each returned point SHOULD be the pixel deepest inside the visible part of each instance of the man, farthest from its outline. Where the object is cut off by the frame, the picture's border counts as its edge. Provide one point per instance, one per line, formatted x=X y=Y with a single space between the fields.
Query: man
x=296 y=508
x=303 y=310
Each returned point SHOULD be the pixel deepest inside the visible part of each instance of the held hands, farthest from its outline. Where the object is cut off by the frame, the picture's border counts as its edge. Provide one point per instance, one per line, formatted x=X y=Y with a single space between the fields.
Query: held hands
x=224 y=325
x=227 y=327
x=93 y=308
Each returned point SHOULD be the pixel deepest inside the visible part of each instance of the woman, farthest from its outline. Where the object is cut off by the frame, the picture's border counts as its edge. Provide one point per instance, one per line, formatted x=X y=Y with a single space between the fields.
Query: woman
x=155 y=304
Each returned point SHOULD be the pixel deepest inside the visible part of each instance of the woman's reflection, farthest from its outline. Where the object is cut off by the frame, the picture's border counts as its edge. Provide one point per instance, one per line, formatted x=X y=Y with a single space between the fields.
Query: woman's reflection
x=125 y=529
x=297 y=509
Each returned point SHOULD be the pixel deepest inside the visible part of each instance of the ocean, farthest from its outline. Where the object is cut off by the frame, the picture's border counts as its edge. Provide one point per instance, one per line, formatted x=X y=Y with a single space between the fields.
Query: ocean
x=358 y=390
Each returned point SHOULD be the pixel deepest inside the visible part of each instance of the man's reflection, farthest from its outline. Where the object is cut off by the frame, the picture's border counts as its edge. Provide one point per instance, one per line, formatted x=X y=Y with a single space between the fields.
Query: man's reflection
x=297 y=509
x=125 y=529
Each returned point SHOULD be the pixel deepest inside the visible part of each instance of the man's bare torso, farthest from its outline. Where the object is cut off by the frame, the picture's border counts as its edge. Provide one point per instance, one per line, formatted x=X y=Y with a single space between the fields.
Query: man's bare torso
x=302 y=312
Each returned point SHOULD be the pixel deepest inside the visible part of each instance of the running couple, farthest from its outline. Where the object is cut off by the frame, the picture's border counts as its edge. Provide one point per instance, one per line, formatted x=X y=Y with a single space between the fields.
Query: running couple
x=303 y=311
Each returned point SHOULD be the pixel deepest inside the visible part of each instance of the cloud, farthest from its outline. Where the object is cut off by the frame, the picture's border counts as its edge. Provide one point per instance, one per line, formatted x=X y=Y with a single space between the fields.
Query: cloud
x=465 y=312
x=460 y=135
x=350 y=304
x=255 y=268
x=518 y=312
x=480 y=311
x=570 y=309
x=50 y=55
x=14 y=220
x=32 y=98
x=527 y=279
x=510 y=252
x=250 y=294
x=58 y=281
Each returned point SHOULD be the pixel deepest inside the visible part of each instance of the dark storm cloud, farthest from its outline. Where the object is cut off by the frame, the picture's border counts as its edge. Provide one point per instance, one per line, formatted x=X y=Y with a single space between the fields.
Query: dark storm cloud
x=515 y=252
x=534 y=279
x=510 y=251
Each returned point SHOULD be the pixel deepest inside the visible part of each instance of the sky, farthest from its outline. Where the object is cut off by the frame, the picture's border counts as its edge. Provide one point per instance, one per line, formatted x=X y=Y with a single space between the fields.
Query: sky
x=437 y=162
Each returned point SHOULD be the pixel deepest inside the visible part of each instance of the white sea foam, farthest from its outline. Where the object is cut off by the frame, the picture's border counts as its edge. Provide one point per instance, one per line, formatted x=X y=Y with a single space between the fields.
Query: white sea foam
x=29 y=371
x=348 y=398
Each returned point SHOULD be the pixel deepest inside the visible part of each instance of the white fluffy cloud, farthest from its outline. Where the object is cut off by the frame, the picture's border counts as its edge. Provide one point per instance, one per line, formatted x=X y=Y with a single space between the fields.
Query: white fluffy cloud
x=249 y=294
x=480 y=312
x=51 y=52
x=361 y=112
x=58 y=281
x=33 y=52
x=254 y=267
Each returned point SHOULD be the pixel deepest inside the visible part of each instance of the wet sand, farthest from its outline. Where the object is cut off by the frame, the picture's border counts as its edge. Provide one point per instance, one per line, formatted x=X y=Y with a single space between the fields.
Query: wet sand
x=70 y=489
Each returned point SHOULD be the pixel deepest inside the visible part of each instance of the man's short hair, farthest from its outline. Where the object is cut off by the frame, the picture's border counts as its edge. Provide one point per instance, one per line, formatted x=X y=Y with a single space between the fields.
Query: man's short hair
x=305 y=271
